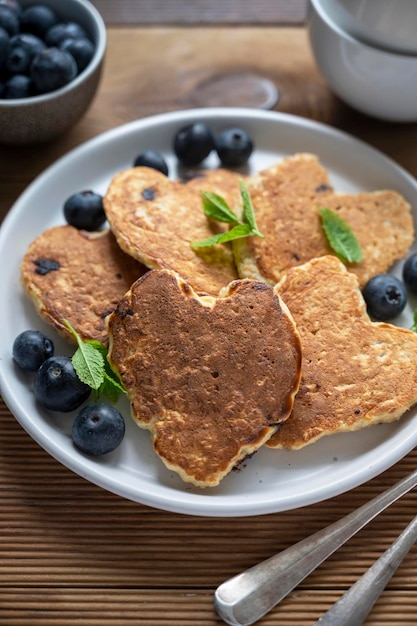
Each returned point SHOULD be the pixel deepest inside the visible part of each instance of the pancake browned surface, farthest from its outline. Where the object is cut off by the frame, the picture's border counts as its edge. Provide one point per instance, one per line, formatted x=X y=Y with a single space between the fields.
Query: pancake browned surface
x=209 y=377
x=355 y=372
x=286 y=198
x=155 y=220
x=78 y=276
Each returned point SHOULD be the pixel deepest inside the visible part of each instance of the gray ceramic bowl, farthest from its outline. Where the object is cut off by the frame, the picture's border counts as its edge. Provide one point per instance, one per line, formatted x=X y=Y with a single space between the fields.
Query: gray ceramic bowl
x=42 y=118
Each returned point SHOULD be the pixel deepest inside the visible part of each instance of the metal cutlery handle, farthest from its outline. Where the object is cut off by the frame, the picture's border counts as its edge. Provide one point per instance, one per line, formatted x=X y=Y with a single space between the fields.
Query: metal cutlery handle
x=245 y=598
x=356 y=603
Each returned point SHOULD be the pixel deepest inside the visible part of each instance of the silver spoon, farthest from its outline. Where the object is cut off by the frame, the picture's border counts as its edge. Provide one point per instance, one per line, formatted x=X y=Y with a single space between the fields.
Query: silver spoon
x=245 y=598
x=356 y=603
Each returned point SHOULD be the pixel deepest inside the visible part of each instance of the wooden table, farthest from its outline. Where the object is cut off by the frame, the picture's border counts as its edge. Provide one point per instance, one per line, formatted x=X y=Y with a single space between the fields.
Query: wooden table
x=71 y=553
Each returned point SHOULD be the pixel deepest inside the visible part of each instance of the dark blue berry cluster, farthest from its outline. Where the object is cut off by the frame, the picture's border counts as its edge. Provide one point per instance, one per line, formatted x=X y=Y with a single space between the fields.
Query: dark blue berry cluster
x=193 y=143
x=98 y=428
x=39 y=52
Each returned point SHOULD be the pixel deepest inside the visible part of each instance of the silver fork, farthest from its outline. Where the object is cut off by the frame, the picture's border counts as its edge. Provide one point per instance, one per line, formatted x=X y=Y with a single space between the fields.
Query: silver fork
x=245 y=598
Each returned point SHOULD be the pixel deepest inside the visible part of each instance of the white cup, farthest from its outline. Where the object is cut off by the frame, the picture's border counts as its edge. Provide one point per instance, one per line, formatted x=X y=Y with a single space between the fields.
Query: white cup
x=387 y=24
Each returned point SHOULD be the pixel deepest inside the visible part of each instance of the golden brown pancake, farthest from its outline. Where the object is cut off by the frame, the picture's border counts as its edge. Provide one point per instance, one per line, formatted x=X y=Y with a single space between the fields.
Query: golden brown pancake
x=155 y=219
x=355 y=372
x=286 y=198
x=78 y=276
x=209 y=377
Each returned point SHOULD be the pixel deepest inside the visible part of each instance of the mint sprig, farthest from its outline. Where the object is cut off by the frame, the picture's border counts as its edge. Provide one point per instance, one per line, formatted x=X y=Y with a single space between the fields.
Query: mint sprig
x=414 y=326
x=92 y=367
x=216 y=207
x=340 y=236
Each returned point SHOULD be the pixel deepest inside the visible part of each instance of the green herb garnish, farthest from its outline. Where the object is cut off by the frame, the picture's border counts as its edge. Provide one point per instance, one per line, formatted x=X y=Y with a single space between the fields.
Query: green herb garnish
x=340 y=236
x=92 y=367
x=414 y=326
x=216 y=207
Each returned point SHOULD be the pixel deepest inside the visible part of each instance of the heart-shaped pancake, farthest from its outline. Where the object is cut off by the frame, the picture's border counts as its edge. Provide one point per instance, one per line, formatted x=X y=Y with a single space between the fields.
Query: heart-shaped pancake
x=286 y=198
x=355 y=372
x=78 y=276
x=155 y=219
x=209 y=377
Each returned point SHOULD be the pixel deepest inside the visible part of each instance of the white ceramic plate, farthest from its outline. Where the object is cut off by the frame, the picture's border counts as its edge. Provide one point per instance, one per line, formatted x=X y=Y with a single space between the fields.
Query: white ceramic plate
x=272 y=480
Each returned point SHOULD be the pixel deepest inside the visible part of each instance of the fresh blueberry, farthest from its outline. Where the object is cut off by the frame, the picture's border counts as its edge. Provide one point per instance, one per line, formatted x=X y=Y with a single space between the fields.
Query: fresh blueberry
x=234 y=147
x=152 y=159
x=385 y=297
x=64 y=30
x=84 y=210
x=18 y=86
x=22 y=50
x=31 y=348
x=98 y=429
x=410 y=272
x=14 y=5
x=193 y=143
x=9 y=20
x=57 y=386
x=37 y=19
x=51 y=69
x=82 y=50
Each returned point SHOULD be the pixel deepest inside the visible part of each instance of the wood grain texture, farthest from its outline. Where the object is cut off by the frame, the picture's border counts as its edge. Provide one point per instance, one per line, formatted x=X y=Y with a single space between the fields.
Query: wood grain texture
x=197 y=12
x=71 y=553
x=70 y=550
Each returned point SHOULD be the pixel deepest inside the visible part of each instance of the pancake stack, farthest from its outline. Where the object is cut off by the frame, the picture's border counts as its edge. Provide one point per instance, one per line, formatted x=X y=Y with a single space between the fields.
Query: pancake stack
x=225 y=349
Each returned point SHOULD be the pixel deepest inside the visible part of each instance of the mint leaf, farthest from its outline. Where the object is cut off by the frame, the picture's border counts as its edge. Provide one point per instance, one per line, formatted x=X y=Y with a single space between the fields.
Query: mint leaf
x=216 y=207
x=237 y=232
x=340 y=236
x=110 y=387
x=414 y=326
x=248 y=212
x=88 y=362
x=92 y=367
x=89 y=365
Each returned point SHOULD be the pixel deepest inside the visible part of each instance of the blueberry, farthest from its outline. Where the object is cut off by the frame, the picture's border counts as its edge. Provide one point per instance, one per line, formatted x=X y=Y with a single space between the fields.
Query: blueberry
x=38 y=19
x=31 y=348
x=84 y=210
x=193 y=143
x=410 y=272
x=22 y=50
x=152 y=159
x=82 y=50
x=385 y=297
x=51 y=69
x=14 y=5
x=64 y=30
x=234 y=147
x=18 y=86
x=9 y=20
x=57 y=386
x=98 y=429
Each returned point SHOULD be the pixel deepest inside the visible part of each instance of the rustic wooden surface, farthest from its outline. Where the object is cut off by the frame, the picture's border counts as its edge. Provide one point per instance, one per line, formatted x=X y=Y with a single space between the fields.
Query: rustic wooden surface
x=71 y=553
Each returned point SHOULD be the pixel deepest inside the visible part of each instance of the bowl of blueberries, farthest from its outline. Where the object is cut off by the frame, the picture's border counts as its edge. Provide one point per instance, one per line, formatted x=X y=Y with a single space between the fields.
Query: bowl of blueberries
x=51 y=59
